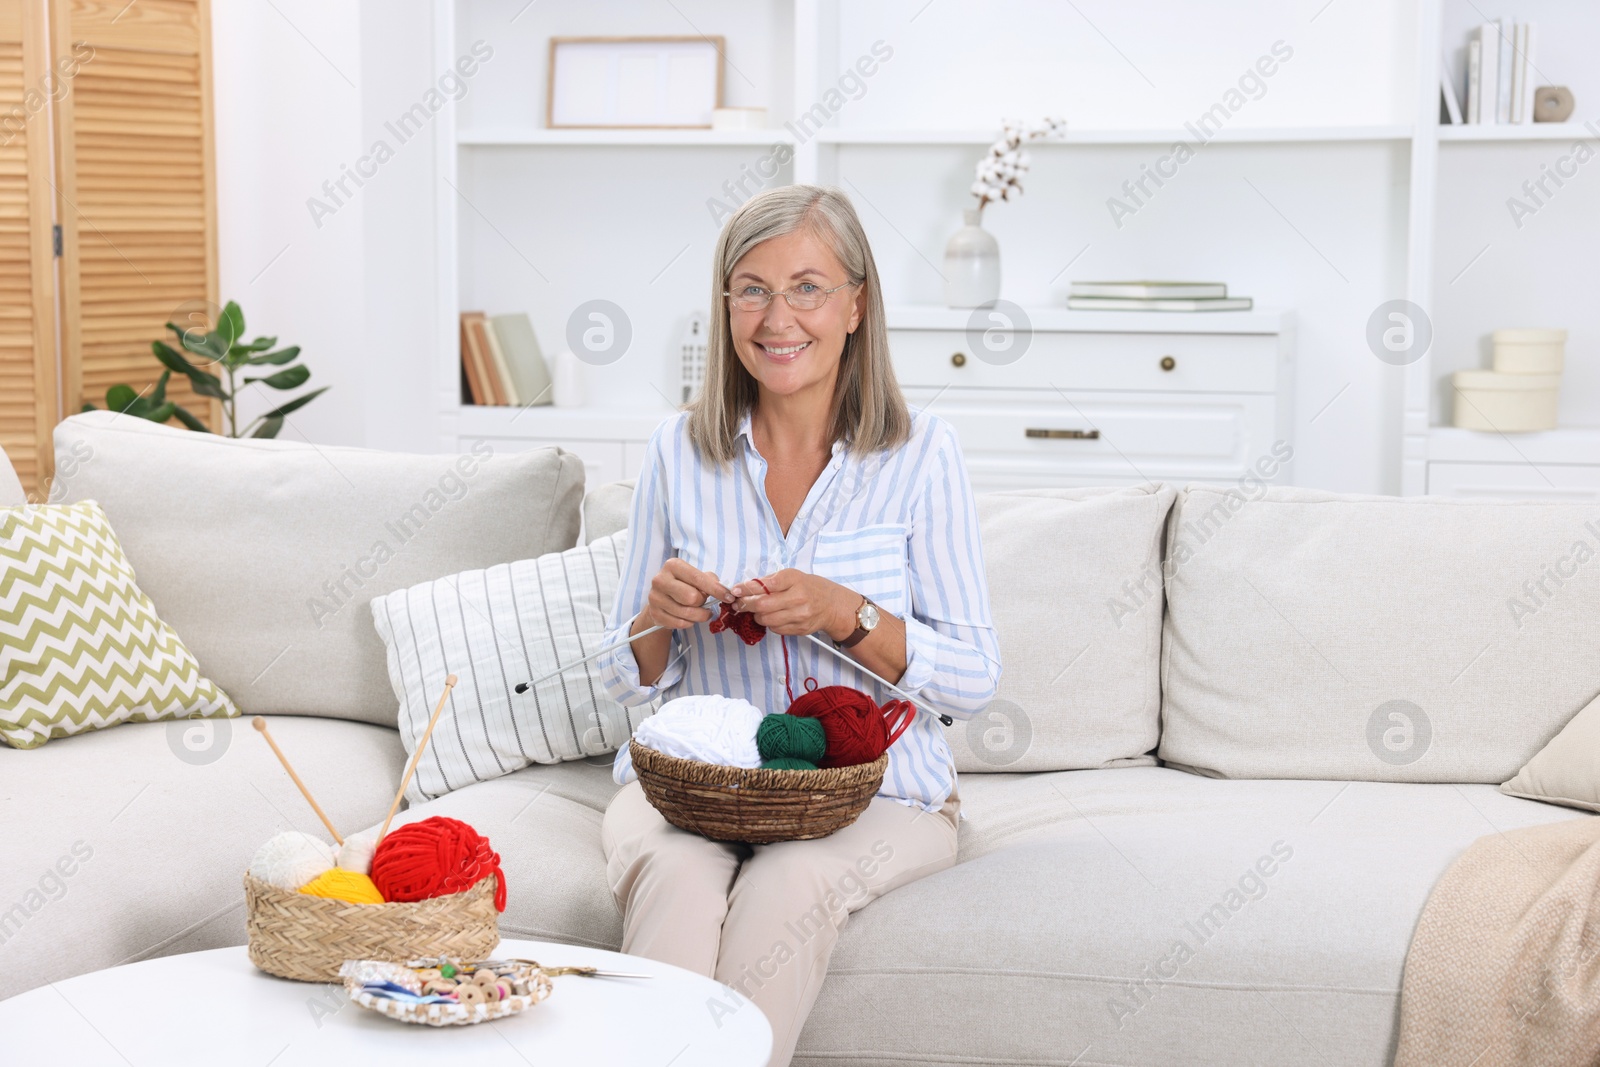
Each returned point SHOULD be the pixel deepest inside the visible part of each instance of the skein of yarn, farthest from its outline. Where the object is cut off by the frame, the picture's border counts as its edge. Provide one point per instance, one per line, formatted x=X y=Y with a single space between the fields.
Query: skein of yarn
x=788 y=763
x=356 y=852
x=857 y=730
x=792 y=737
x=336 y=883
x=291 y=859
x=433 y=858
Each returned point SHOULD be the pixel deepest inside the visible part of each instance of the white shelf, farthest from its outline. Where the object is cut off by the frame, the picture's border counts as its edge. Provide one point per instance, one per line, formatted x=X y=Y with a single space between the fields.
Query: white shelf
x=933 y=317
x=1246 y=135
x=591 y=423
x=629 y=138
x=1536 y=131
x=1578 y=445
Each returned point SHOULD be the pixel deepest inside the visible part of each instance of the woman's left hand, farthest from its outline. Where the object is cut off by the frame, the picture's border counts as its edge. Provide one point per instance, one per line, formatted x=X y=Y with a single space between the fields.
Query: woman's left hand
x=799 y=603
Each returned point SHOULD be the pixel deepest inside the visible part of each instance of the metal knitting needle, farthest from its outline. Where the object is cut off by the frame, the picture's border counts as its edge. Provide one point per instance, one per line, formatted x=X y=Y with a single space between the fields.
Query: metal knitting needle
x=523 y=687
x=947 y=720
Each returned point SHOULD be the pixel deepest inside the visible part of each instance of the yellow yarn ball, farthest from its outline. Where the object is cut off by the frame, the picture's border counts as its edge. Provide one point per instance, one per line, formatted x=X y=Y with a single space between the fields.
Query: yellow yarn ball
x=336 y=883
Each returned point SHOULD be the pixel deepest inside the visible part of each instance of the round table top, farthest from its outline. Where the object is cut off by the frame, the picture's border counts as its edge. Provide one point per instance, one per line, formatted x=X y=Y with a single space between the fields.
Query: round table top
x=215 y=1007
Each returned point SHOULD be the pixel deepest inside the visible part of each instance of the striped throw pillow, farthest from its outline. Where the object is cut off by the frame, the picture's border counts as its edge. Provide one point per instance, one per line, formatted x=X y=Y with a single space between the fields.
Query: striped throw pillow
x=493 y=629
x=81 y=646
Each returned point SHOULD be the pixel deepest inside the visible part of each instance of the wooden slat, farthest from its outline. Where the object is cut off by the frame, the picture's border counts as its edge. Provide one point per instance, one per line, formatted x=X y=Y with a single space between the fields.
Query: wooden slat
x=138 y=198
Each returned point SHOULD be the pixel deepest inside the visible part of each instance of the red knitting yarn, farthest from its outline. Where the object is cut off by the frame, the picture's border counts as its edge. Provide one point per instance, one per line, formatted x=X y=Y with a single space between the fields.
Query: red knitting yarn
x=433 y=858
x=744 y=624
x=858 y=730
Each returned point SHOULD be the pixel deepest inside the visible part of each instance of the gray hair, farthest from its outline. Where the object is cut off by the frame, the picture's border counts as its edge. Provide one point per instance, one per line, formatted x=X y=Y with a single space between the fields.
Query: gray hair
x=869 y=411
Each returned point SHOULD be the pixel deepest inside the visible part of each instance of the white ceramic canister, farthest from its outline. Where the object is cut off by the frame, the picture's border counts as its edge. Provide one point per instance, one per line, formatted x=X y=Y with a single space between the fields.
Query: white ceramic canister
x=1507 y=403
x=1529 y=351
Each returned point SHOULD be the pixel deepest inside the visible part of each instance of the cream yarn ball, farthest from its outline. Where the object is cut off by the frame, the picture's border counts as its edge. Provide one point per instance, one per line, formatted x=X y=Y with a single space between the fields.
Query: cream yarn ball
x=356 y=852
x=291 y=859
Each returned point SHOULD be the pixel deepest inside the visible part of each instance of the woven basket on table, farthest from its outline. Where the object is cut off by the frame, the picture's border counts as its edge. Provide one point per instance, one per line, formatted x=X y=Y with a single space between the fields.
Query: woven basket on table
x=755 y=805
x=299 y=936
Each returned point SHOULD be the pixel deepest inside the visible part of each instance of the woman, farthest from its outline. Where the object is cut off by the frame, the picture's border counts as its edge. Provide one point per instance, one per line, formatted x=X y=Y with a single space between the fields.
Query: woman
x=798 y=465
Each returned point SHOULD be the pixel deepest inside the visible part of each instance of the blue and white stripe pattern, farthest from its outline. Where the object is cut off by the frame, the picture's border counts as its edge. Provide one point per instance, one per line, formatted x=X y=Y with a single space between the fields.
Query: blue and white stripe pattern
x=899 y=526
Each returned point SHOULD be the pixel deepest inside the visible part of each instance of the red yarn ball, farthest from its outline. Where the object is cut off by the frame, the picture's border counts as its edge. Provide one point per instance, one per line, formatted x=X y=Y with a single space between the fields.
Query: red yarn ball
x=433 y=858
x=858 y=731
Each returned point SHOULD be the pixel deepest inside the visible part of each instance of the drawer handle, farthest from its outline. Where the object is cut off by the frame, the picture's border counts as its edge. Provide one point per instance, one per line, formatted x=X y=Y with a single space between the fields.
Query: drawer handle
x=1167 y=363
x=958 y=360
x=1070 y=435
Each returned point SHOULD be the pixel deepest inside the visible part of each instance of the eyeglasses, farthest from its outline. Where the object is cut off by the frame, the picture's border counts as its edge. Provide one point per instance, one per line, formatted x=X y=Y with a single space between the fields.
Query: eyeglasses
x=807 y=296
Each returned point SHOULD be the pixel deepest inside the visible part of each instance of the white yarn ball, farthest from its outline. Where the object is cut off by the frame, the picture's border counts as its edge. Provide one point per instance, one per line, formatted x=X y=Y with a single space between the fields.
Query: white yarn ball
x=291 y=859
x=356 y=852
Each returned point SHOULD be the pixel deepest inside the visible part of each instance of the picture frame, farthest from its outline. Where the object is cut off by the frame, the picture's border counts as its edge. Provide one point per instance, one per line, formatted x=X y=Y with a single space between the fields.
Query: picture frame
x=633 y=83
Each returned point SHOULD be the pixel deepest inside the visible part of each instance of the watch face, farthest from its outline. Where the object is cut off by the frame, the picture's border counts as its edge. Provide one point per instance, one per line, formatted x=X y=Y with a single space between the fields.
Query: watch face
x=868 y=616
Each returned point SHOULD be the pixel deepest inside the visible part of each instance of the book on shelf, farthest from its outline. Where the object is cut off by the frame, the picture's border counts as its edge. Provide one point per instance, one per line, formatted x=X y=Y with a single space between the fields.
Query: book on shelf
x=1501 y=73
x=530 y=376
x=1447 y=90
x=1143 y=290
x=483 y=383
x=1112 y=303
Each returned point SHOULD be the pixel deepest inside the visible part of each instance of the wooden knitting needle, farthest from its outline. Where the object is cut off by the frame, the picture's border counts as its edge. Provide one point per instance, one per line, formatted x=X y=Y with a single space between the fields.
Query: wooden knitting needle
x=261 y=725
x=449 y=684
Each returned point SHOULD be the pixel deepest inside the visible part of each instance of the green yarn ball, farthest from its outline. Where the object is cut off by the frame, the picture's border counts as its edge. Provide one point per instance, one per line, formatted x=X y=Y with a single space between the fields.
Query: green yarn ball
x=793 y=736
x=788 y=763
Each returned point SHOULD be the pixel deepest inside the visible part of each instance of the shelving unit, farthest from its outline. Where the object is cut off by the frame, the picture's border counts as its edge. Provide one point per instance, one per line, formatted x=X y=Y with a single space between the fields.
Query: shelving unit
x=494 y=159
x=1437 y=458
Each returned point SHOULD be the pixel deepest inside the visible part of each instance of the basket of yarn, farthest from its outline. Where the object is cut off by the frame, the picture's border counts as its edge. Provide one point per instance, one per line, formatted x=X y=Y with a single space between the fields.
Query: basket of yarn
x=821 y=764
x=427 y=888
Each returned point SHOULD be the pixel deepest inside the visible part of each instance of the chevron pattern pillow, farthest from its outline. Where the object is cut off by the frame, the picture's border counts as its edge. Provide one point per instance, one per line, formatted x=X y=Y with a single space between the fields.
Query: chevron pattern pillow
x=81 y=647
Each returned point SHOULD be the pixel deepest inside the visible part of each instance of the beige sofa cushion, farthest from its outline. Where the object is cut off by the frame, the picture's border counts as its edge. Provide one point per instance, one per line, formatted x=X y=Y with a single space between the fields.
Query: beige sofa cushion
x=1322 y=635
x=1147 y=916
x=1567 y=770
x=1075 y=590
x=130 y=843
x=605 y=510
x=263 y=555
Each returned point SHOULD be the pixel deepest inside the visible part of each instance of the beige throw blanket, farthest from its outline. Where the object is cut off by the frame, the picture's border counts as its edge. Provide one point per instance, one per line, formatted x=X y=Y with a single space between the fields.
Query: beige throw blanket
x=1505 y=965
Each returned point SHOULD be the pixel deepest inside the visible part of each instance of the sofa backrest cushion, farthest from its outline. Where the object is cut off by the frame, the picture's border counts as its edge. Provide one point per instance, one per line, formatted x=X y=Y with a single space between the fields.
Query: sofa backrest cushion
x=263 y=555
x=605 y=510
x=1075 y=591
x=1363 y=638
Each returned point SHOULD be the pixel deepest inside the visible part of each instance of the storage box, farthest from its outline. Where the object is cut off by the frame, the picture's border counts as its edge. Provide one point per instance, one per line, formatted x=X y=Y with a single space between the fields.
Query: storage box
x=1509 y=403
x=1529 y=351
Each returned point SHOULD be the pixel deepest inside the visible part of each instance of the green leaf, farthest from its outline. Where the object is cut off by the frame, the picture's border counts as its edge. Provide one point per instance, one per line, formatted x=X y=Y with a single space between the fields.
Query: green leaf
x=210 y=345
x=284 y=379
x=208 y=385
x=231 y=324
x=158 y=395
x=160 y=413
x=121 y=397
x=281 y=356
x=170 y=357
x=89 y=407
x=185 y=417
x=261 y=344
x=297 y=403
x=269 y=427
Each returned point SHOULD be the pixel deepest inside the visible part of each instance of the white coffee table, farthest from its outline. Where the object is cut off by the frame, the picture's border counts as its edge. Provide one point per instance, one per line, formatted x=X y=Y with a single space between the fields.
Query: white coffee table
x=215 y=1008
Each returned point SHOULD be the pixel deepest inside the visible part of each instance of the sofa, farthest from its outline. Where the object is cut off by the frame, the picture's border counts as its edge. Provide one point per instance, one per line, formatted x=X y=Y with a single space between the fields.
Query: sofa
x=1241 y=731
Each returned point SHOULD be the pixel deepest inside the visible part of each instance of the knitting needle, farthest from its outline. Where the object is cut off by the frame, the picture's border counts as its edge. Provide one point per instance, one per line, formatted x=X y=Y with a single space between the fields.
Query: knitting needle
x=449 y=684
x=523 y=687
x=947 y=720
x=261 y=725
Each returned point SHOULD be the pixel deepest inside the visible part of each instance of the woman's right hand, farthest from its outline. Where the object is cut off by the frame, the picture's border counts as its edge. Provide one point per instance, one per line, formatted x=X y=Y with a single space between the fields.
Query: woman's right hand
x=677 y=593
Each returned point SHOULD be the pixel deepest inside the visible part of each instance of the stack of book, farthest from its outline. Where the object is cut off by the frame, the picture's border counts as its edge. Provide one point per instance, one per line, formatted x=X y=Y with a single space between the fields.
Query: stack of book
x=501 y=362
x=1500 y=76
x=1154 y=296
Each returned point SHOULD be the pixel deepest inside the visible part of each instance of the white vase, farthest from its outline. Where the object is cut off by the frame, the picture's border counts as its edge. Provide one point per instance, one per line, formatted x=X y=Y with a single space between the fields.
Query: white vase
x=971 y=265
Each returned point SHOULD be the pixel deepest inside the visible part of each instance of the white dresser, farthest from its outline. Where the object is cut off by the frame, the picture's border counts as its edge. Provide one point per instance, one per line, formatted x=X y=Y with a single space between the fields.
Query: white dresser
x=1094 y=398
x=1103 y=398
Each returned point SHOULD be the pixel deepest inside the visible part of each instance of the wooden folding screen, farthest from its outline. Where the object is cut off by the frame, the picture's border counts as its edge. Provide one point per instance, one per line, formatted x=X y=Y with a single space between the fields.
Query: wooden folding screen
x=106 y=161
x=136 y=199
x=28 y=379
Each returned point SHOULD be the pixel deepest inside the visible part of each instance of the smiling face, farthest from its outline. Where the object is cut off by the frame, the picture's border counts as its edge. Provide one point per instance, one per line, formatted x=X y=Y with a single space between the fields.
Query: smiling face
x=788 y=351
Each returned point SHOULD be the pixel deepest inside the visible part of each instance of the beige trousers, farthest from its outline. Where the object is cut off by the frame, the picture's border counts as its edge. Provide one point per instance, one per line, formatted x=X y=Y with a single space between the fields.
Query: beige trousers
x=762 y=919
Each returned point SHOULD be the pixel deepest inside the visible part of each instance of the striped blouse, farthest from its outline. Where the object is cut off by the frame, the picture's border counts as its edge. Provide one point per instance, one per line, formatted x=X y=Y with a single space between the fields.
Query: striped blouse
x=899 y=526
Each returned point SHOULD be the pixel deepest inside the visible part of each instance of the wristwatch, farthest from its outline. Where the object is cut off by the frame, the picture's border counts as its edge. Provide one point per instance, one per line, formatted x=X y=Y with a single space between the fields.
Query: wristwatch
x=866 y=622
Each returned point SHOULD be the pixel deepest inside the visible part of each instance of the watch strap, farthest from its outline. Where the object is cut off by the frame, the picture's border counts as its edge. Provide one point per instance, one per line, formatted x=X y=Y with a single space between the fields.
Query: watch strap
x=860 y=632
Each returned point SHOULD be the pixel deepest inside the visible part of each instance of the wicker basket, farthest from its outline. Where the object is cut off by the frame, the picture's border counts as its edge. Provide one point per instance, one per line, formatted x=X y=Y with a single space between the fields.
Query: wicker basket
x=307 y=938
x=755 y=805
